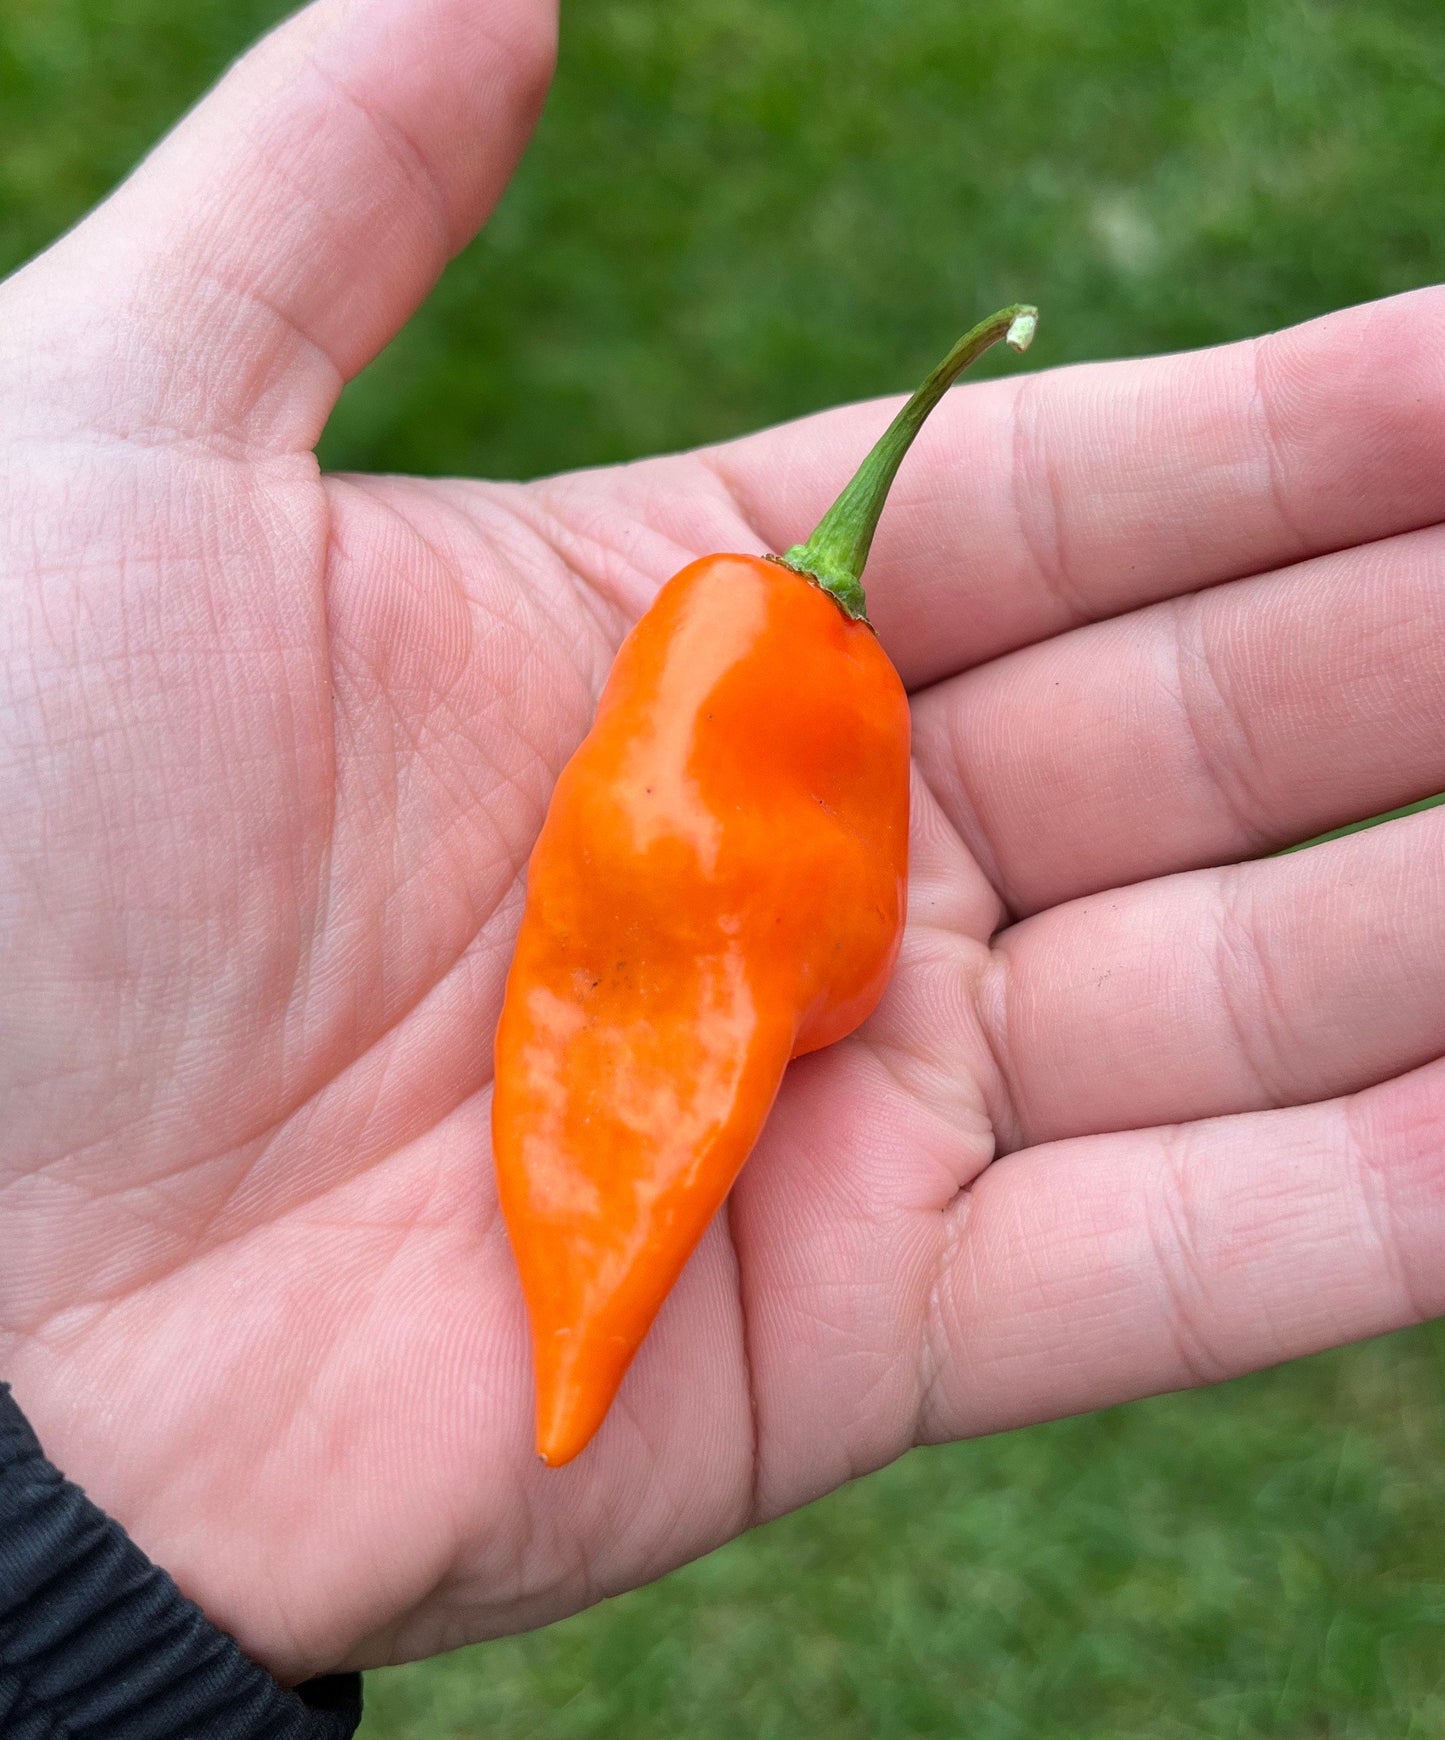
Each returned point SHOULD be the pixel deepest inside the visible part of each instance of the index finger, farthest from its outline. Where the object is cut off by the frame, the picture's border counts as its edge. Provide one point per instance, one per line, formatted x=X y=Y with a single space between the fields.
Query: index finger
x=1034 y=503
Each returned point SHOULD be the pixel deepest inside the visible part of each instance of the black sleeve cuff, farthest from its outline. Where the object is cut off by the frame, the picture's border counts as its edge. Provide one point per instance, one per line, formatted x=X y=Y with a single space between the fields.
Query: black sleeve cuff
x=97 y=1643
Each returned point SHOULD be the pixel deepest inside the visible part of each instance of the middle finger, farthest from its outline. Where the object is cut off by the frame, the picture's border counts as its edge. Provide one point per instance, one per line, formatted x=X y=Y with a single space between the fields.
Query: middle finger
x=1200 y=730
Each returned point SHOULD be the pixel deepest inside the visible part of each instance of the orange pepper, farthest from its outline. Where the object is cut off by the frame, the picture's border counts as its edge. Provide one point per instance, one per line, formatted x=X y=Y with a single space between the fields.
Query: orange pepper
x=718 y=887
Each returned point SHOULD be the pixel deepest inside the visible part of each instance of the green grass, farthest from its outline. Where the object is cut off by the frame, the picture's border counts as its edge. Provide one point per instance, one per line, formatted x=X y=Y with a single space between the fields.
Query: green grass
x=1263 y=1559
x=737 y=210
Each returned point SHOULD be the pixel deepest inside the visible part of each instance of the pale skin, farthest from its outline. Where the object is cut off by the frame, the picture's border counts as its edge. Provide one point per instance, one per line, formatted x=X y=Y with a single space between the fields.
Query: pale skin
x=1144 y=1106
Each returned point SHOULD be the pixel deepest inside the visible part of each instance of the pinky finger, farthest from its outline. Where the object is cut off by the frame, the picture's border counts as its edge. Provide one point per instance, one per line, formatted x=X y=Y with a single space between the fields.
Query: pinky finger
x=1104 y=1268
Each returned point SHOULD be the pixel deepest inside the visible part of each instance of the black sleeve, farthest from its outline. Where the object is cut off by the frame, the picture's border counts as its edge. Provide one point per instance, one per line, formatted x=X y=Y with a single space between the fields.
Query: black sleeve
x=97 y=1643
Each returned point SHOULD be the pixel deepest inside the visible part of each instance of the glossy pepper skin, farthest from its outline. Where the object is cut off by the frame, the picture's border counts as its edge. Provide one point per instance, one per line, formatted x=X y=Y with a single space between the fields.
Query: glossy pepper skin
x=719 y=886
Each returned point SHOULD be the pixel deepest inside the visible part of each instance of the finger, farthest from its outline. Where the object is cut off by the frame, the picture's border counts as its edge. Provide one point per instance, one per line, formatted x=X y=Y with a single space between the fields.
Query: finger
x=1268 y=984
x=1093 y=1271
x=1201 y=730
x=280 y=236
x=1034 y=503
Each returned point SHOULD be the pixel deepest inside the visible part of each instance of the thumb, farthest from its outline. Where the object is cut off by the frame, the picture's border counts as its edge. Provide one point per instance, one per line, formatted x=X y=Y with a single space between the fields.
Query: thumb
x=292 y=222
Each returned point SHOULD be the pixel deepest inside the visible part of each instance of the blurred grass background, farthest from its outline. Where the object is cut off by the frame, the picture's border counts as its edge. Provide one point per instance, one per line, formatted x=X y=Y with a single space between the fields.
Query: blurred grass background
x=736 y=211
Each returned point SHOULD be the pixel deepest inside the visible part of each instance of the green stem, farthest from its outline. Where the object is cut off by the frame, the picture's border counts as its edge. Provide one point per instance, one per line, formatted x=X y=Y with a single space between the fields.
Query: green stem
x=835 y=554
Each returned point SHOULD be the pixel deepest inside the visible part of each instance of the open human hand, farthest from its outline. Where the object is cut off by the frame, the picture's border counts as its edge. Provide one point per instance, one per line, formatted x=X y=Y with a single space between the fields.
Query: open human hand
x=1133 y=1115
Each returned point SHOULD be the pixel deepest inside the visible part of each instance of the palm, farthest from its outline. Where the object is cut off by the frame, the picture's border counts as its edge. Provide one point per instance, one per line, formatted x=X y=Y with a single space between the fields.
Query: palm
x=293 y=745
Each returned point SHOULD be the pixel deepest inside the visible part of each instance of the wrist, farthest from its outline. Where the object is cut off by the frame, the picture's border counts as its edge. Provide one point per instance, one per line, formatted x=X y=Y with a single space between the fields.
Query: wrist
x=95 y=1640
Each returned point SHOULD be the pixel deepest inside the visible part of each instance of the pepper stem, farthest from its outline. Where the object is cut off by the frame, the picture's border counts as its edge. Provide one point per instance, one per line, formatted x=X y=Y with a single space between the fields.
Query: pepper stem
x=835 y=554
